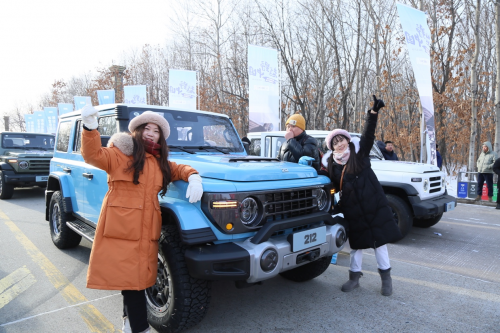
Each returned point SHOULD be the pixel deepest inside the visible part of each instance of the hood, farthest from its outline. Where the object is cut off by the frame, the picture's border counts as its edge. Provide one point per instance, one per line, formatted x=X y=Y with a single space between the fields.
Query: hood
x=402 y=166
x=487 y=144
x=31 y=153
x=240 y=168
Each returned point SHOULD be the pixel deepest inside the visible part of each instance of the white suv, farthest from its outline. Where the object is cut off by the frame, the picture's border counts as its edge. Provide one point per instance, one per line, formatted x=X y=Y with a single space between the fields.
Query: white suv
x=416 y=192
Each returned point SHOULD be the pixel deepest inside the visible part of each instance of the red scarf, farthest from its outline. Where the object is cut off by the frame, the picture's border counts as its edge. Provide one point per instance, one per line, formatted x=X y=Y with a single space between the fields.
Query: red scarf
x=152 y=148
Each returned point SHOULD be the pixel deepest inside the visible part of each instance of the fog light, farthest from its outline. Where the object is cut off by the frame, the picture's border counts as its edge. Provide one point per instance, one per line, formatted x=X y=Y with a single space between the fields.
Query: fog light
x=340 y=238
x=269 y=260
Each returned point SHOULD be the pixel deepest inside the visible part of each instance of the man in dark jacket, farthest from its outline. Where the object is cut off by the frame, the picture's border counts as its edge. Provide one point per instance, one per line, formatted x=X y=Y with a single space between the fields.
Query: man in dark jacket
x=298 y=143
x=496 y=169
x=438 y=157
x=388 y=151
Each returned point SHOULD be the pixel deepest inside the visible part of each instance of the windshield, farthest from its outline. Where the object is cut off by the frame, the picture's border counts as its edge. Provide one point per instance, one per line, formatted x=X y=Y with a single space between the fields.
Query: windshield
x=198 y=130
x=28 y=141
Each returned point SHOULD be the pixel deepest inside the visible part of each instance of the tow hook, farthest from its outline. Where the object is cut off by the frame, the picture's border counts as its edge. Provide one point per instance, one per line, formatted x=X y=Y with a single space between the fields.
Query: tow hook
x=308 y=256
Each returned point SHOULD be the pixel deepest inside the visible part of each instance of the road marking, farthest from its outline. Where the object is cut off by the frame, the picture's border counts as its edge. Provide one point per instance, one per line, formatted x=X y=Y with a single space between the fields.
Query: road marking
x=56 y=310
x=95 y=321
x=15 y=284
x=472 y=224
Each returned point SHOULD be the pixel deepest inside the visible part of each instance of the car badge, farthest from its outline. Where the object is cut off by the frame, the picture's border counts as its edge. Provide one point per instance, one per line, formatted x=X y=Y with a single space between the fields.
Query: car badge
x=284 y=170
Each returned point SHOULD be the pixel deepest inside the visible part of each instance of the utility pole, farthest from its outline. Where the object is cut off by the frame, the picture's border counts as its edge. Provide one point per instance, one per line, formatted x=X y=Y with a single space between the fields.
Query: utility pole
x=117 y=79
x=6 y=123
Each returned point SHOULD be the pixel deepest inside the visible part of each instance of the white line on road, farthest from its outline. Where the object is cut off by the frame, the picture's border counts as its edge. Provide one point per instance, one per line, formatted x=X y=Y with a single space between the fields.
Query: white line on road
x=56 y=310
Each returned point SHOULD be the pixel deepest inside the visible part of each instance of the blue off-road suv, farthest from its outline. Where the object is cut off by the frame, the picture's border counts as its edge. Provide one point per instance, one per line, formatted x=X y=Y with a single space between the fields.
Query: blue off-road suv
x=258 y=217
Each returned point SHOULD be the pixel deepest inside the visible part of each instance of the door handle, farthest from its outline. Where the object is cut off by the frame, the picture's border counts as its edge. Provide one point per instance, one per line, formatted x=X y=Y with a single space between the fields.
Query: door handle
x=68 y=170
x=89 y=176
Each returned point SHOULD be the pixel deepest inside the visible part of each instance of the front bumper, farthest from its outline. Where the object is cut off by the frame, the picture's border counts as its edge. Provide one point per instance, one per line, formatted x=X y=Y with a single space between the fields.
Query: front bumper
x=240 y=260
x=24 y=178
x=430 y=207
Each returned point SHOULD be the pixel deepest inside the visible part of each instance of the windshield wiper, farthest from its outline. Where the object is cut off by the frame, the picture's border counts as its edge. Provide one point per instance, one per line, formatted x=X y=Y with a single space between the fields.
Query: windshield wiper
x=211 y=147
x=182 y=149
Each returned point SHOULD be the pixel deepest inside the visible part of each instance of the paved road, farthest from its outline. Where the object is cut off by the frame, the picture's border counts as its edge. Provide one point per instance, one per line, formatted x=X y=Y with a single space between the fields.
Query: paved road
x=446 y=279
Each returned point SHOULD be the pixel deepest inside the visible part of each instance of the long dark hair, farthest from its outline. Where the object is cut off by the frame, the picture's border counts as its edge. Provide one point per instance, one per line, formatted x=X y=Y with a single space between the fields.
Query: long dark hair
x=353 y=165
x=139 y=153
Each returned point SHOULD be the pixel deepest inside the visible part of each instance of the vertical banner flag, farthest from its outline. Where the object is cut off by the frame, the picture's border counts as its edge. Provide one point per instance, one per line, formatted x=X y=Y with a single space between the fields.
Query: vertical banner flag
x=40 y=122
x=29 y=119
x=263 y=90
x=134 y=95
x=50 y=119
x=106 y=96
x=81 y=101
x=418 y=39
x=182 y=89
x=65 y=108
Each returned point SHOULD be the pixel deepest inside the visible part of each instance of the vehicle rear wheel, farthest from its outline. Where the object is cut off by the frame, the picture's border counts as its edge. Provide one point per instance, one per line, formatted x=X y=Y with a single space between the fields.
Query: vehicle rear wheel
x=308 y=271
x=427 y=223
x=6 y=190
x=62 y=236
x=177 y=301
x=401 y=212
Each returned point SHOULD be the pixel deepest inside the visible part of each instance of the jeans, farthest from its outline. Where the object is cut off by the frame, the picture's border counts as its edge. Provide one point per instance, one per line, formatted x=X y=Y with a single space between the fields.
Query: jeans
x=134 y=307
x=488 y=177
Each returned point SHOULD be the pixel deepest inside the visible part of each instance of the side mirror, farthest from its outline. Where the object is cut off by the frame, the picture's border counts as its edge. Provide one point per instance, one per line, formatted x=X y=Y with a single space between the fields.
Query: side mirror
x=104 y=140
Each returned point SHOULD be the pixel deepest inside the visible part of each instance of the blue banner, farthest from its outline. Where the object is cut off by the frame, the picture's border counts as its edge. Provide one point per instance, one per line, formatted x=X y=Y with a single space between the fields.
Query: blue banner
x=106 y=96
x=64 y=108
x=462 y=189
x=40 y=126
x=134 y=95
x=50 y=119
x=81 y=101
x=418 y=40
x=263 y=89
x=29 y=120
x=182 y=89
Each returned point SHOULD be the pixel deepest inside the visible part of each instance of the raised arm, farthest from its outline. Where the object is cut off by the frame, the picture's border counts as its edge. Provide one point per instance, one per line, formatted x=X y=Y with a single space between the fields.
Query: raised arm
x=368 y=136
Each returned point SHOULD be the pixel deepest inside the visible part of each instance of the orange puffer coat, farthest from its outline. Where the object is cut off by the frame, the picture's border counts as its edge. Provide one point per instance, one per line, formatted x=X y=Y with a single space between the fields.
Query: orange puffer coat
x=125 y=251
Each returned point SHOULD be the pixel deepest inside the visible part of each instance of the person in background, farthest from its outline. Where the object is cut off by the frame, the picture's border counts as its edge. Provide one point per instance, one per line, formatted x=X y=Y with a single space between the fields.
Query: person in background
x=298 y=143
x=496 y=169
x=369 y=219
x=388 y=151
x=485 y=170
x=438 y=157
x=246 y=144
x=124 y=254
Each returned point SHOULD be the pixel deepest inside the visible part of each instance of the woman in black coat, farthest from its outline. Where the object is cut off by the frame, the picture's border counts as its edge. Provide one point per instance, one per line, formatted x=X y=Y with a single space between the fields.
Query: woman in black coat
x=369 y=218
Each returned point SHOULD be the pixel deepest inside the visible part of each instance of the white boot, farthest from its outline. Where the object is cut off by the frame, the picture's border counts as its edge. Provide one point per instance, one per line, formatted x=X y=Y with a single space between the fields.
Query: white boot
x=126 y=325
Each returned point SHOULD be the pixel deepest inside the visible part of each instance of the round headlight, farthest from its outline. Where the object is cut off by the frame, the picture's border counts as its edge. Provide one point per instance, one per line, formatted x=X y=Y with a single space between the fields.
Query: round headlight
x=426 y=185
x=323 y=200
x=249 y=210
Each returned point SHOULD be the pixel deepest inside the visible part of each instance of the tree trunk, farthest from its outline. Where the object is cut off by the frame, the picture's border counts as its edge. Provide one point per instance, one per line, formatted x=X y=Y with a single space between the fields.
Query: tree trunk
x=496 y=146
x=474 y=86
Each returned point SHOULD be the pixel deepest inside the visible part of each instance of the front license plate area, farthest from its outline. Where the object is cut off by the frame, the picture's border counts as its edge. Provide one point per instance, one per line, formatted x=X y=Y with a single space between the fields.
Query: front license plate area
x=449 y=206
x=308 y=238
x=41 y=178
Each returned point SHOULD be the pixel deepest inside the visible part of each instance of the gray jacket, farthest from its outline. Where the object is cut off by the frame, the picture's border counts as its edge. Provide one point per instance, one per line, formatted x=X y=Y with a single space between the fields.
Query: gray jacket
x=486 y=160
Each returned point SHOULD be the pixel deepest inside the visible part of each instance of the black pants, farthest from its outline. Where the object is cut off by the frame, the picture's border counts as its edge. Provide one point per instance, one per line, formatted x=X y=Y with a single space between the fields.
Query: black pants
x=488 y=177
x=498 y=190
x=134 y=307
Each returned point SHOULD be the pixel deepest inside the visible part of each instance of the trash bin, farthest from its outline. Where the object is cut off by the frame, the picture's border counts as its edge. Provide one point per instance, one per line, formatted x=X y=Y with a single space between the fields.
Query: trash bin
x=472 y=190
x=484 y=195
x=495 y=192
x=462 y=189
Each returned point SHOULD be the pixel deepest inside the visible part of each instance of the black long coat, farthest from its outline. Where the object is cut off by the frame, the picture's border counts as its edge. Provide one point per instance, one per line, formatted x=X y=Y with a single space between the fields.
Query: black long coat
x=363 y=202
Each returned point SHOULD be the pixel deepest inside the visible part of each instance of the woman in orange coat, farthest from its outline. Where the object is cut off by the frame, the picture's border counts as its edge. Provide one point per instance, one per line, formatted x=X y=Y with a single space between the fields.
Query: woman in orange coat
x=125 y=251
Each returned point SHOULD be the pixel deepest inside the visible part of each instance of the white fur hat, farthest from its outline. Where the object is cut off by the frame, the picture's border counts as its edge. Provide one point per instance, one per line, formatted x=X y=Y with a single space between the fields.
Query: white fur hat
x=150 y=117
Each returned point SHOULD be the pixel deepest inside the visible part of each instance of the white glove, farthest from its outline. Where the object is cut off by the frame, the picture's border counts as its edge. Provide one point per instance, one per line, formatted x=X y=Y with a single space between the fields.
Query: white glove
x=195 y=189
x=89 y=117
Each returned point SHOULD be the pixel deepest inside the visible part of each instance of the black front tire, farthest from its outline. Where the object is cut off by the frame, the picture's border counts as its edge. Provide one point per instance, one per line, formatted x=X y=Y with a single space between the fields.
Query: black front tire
x=177 y=301
x=427 y=223
x=6 y=190
x=401 y=212
x=62 y=236
x=308 y=271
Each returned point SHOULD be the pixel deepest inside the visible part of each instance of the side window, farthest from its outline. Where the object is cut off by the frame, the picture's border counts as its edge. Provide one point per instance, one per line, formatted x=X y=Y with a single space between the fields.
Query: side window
x=107 y=125
x=63 y=136
x=78 y=137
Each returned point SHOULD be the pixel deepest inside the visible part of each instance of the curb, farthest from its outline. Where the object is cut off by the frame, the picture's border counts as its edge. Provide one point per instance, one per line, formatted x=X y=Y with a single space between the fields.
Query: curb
x=479 y=202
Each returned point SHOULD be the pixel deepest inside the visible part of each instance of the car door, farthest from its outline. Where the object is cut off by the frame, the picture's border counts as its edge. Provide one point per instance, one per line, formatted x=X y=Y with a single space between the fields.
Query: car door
x=77 y=170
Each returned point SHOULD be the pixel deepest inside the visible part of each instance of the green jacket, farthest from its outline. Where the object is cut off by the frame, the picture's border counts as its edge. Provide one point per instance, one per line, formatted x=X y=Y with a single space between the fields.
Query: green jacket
x=486 y=160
